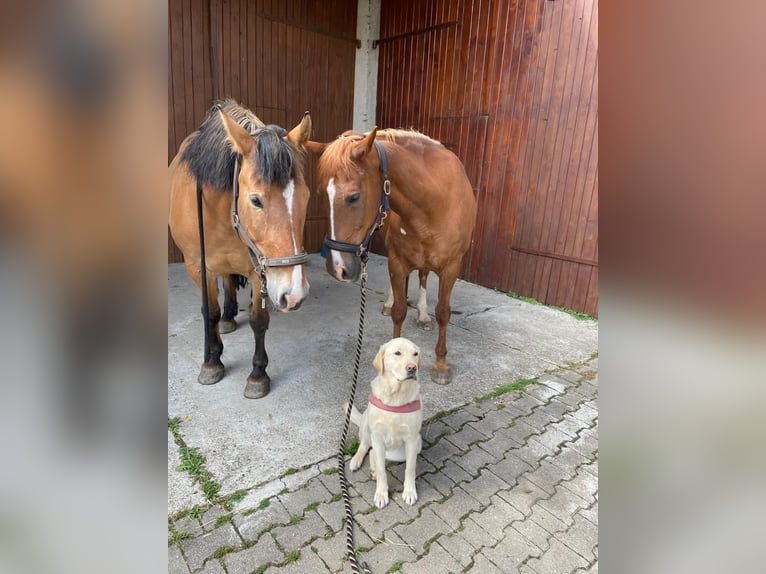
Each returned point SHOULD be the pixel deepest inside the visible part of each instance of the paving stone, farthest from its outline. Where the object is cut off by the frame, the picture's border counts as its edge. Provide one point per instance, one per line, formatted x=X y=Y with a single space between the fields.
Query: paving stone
x=188 y=524
x=591 y=513
x=532 y=453
x=332 y=551
x=479 y=409
x=587 y=443
x=533 y=532
x=526 y=403
x=466 y=436
x=540 y=418
x=473 y=460
x=439 y=452
x=457 y=419
x=564 y=504
x=308 y=562
x=509 y=469
x=585 y=414
x=571 y=376
x=495 y=420
x=293 y=536
x=457 y=547
x=547 y=520
x=551 y=438
x=434 y=431
x=474 y=534
x=265 y=551
x=494 y=519
x=523 y=496
x=298 y=479
x=455 y=507
x=423 y=529
x=541 y=392
x=252 y=525
x=547 y=476
x=380 y=520
x=332 y=513
x=487 y=485
x=176 y=562
x=211 y=516
x=426 y=495
x=581 y=537
x=569 y=460
x=437 y=560
x=518 y=432
x=583 y=484
x=497 y=446
x=481 y=565
x=440 y=482
x=456 y=473
x=569 y=425
x=331 y=481
x=558 y=558
x=197 y=550
x=390 y=550
x=555 y=383
x=295 y=502
x=571 y=398
x=212 y=567
x=511 y=551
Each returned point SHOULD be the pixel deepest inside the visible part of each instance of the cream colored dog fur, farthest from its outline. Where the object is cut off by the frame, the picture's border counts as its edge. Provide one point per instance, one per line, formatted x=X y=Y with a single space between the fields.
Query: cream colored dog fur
x=392 y=435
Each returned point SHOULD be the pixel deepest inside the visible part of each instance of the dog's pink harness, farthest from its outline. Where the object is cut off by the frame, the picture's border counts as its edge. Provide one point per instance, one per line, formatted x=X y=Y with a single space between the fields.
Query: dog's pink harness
x=410 y=407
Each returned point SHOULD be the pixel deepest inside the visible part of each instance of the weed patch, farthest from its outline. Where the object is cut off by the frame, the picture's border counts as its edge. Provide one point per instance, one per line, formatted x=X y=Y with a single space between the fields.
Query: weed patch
x=507 y=388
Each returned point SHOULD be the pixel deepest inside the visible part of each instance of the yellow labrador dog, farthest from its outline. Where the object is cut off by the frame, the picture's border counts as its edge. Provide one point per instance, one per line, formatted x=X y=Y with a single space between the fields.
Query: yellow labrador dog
x=391 y=423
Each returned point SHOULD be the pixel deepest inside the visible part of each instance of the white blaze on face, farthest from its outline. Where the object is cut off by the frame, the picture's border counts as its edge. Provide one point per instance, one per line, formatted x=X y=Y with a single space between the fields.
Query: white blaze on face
x=297 y=278
x=336 y=260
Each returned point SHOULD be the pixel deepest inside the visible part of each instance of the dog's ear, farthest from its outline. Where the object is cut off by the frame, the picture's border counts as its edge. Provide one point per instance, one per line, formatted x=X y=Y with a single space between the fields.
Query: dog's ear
x=378 y=360
x=420 y=360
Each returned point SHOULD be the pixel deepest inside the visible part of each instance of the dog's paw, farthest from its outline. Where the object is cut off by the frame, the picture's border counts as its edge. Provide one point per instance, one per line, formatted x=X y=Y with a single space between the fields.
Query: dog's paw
x=356 y=462
x=381 y=498
x=410 y=495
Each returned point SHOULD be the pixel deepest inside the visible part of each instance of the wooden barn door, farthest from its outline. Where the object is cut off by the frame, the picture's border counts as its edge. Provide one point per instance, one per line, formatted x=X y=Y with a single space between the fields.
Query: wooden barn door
x=511 y=87
x=277 y=58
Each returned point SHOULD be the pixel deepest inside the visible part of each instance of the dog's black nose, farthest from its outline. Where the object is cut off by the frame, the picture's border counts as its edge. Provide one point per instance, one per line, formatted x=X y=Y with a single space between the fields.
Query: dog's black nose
x=412 y=370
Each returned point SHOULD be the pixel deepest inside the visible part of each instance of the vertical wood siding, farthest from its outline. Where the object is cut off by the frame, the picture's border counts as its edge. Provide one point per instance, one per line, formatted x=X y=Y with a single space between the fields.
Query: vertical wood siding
x=511 y=86
x=277 y=58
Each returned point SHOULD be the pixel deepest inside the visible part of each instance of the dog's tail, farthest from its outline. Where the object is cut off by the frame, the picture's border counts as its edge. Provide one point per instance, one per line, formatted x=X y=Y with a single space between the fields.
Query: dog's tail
x=356 y=416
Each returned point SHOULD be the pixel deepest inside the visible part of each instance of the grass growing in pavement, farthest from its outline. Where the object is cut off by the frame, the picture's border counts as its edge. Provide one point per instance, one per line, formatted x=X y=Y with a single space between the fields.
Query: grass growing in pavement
x=351 y=446
x=178 y=537
x=336 y=497
x=229 y=501
x=310 y=507
x=395 y=567
x=290 y=471
x=507 y=388
x=572 y=312
x=261 y=569
x=293 y=556
x=264 y=503
x=193 y=462
x=223 y=519
x=331 y=470
x=223 y=551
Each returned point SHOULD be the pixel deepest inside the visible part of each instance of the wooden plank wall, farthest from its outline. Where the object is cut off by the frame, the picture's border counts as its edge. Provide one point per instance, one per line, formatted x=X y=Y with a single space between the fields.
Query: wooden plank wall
x=277 y=58
x=511 y=86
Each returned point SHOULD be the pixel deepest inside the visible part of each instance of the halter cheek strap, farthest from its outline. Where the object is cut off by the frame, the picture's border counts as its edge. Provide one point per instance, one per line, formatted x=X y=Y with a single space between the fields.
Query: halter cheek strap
x=362 y=249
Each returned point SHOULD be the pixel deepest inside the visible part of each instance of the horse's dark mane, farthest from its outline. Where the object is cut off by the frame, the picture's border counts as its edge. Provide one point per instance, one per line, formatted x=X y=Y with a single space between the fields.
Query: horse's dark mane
x=211 y=160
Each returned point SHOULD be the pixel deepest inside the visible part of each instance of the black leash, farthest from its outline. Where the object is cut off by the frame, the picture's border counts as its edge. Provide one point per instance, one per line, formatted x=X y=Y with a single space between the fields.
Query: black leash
x=355 y=566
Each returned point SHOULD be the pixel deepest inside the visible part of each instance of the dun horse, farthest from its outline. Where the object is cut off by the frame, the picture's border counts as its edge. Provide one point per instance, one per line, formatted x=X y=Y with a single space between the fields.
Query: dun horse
x=433 y=208
x=249 y=179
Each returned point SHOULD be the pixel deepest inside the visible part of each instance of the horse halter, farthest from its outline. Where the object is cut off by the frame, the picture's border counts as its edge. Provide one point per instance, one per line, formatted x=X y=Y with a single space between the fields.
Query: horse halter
x=260 y=262
x=362 y=249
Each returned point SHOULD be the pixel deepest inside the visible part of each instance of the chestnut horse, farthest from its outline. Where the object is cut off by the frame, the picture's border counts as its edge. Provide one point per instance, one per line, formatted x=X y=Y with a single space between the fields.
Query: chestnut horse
x=433 y=209
x=249 y=179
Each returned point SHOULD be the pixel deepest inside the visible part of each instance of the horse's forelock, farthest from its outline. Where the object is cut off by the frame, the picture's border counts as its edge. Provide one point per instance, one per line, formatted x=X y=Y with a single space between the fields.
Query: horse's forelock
x=274 y=157
x=336 y=159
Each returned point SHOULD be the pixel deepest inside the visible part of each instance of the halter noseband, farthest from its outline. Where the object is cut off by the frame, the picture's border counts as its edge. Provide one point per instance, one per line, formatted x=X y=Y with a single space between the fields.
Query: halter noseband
x=260 y=262
x=362 y=249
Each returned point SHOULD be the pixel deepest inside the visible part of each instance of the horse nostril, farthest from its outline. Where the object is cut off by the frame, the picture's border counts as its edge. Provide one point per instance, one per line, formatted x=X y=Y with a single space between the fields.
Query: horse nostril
x=345 y=274
x=283 y=301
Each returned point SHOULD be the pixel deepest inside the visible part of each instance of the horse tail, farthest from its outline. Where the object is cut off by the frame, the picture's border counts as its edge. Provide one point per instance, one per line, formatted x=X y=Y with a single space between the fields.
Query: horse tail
x=203 y=273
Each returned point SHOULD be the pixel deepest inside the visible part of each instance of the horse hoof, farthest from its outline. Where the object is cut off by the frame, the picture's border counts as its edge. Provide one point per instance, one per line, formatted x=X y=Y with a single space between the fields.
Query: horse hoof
x=441 y=377
x=210 y=375
x=425 y=325
x=257 y=389
x=386 y=311
x=227 y=326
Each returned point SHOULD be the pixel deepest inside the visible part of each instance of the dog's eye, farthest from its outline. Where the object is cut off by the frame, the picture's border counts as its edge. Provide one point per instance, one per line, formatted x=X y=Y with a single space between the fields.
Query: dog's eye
x=397 y=353
x=416 y=354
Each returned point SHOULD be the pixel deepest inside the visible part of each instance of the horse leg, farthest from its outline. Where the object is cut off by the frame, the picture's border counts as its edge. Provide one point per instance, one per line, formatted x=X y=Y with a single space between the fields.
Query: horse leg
x=398 y=275
x=258 y=383
x=424 y=321
x=389 y=301
x=212 y=368
x=441 y=373
x=230 y=310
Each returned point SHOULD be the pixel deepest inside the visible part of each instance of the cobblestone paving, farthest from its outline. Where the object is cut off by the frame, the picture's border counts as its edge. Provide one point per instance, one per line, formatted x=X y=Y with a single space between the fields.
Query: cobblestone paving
x=506 y=485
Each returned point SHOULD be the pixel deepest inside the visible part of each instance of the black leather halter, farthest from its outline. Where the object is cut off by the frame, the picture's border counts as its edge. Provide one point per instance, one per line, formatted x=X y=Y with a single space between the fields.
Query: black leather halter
x=362 y=249
x=260 y=262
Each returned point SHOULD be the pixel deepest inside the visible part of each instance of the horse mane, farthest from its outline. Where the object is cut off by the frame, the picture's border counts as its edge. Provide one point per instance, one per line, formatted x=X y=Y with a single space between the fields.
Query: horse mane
x=336 y=158
x=210 y=158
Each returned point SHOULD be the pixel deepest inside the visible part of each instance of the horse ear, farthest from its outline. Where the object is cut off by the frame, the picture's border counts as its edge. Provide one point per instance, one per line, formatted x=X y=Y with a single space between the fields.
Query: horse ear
x=377 y=362
x=363 y=146
x=316 y=147
x=301 y=133
x=239 y=138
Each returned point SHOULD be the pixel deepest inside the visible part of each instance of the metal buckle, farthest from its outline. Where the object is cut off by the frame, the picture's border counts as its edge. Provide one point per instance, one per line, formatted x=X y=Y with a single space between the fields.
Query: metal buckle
x=387 y=187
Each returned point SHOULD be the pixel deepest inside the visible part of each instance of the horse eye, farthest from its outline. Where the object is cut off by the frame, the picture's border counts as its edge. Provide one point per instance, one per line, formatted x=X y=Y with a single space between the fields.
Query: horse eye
x=255 y=200
x=353 y=198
